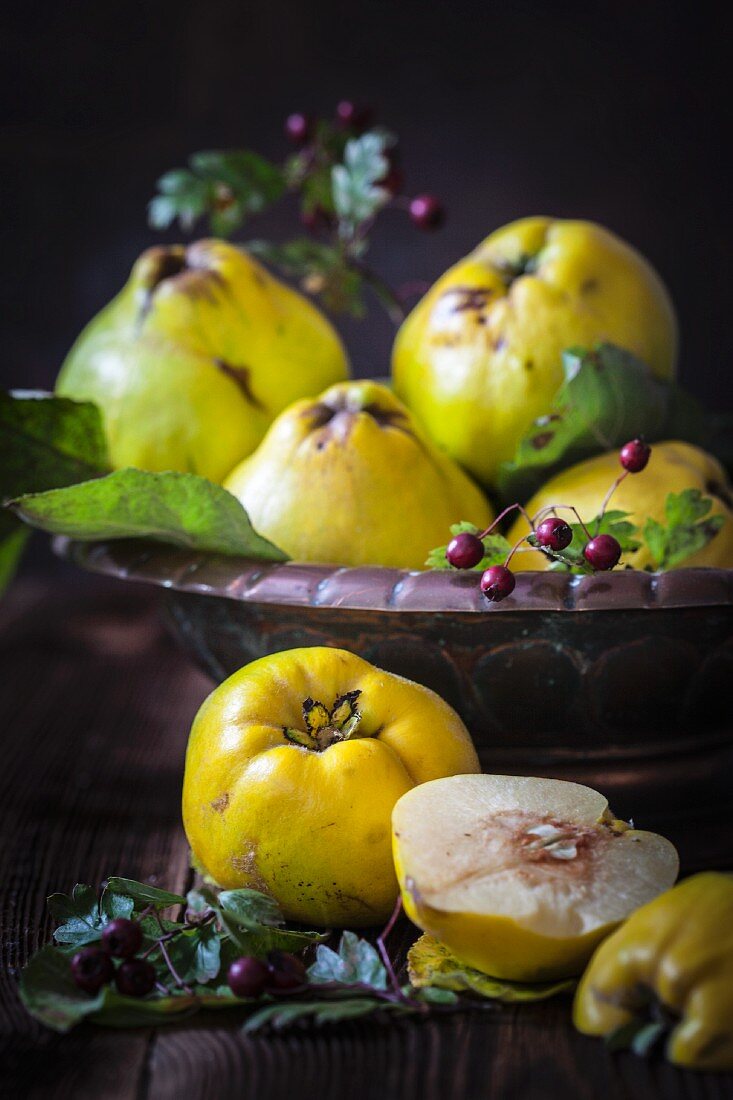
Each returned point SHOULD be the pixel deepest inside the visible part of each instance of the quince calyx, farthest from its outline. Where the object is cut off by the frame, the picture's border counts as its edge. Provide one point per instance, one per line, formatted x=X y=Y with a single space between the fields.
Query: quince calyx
x=324 y=727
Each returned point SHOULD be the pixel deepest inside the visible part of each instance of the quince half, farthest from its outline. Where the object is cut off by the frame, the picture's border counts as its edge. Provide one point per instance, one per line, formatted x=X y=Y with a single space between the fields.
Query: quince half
x=480 y=357
x=293 y=766
x=196 y=356
x=522 y=877
x=673 y=467
x=349 y=478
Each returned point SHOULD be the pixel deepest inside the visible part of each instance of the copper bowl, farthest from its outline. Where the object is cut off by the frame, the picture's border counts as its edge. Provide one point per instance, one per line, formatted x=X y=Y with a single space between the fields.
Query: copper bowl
x=622 y=681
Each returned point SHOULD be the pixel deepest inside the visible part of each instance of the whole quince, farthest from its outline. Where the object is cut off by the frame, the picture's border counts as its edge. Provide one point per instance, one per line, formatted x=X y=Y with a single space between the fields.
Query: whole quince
x=673 y=467
x=293 y=766
x=480 y=357
x=196 y=356
x=350 y=478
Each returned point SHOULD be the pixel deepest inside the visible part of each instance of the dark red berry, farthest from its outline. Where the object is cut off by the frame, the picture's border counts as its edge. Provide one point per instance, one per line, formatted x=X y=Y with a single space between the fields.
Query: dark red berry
x=354 y=116
x=634 y=455
x=91 y=968
x=554 y=532
x=122 y=938
x=298 y=128
x=427 y=212
x=248 y=976
x=602 y=552
x=393 y=180
x=316 y=219
x=497 y=583
x=135 y=977
x=286 y=972
x=464 y=551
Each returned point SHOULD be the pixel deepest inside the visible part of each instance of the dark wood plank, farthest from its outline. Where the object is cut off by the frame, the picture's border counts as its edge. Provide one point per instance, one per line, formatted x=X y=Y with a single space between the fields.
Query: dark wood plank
x=95 y=706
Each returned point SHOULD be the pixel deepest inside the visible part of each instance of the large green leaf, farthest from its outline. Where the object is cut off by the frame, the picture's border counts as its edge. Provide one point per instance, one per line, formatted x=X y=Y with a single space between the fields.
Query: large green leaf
x=182 y=509
x=45 y=442
x=608 y=397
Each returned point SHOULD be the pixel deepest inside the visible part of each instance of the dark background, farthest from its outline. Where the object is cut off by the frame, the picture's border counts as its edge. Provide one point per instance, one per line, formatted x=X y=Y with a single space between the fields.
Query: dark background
x=608 y=111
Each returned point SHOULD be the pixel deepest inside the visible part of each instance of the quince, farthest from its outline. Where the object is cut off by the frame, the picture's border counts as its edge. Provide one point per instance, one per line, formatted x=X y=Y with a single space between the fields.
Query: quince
x=349 y=478
x=673 y=467
x=293 y=766
x=196 y=356
x=522 y=877
x=480 y=357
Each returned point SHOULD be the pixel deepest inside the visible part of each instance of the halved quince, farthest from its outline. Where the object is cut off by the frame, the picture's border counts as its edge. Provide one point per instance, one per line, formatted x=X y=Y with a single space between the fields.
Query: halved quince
x=522 y=877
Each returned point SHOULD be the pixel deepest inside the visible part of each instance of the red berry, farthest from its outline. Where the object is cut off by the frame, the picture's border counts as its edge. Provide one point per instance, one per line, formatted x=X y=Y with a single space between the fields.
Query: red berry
x=427 y=212
x=298 y=128
x=122 y=938
x=286 y=972
x=602 y=552
x=91 y=968
x=497 y=583
x=554 y=532
x=247 y=977
x=634 y=455
x=135 y=977
x=393 y=180
x=316 y=219
x=354 y=116
x=464 y=551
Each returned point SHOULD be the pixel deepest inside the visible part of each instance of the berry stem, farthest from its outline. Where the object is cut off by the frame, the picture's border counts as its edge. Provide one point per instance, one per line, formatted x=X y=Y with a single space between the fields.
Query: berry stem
x=384 y=953
x=554 y=507
x=169 y=963
x=608 y=496
x=510 y=508
x=514 y=550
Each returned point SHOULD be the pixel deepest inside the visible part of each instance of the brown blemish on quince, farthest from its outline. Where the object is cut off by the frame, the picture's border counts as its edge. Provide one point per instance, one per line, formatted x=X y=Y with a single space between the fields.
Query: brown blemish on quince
x=242 y=378
x=220 y=804
x=246 y=864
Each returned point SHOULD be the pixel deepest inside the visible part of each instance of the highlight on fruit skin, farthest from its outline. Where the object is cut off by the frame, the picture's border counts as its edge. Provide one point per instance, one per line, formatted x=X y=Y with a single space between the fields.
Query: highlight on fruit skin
x=350 y=479
x=522 y=877
x=479 y=358
x=292 y=770
x=196 y=355
x=670 y=963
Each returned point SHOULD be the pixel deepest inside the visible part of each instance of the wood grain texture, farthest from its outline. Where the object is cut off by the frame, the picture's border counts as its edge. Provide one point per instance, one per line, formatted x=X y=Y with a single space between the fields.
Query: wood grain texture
x=95 y=706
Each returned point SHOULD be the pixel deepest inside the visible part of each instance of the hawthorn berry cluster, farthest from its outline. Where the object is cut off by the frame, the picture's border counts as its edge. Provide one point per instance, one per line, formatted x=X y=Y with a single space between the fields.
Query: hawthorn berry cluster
x=425 y=211
x=93 y=966
x=281 y=972
x=602 y=552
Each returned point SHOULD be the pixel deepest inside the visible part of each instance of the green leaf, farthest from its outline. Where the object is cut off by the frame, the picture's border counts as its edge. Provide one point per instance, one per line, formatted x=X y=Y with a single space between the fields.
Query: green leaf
x=356 y=196
x=688 y=530
x=79 y=916
x=495 y=545
x=251 y=909
x=49 y=993
x=45 y=442
x=141 y=893
x=12 y=545
x=432 y=964
x=639 y=1035
x=357 y=962
x=608 y=397
x=196 y=954
x=182 y=509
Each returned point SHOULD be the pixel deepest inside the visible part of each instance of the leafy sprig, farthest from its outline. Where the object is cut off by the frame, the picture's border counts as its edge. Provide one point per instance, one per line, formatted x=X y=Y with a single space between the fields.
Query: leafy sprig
x=192 y=953
x=342 y=178
x=689 y=528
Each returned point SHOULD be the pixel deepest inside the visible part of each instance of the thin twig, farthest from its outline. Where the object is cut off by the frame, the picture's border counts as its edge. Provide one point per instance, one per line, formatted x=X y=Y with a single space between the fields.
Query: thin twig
x=384 y=953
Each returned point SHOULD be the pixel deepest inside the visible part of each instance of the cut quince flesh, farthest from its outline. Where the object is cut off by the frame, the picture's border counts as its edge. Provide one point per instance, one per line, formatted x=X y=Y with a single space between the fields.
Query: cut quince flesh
x=522 y=877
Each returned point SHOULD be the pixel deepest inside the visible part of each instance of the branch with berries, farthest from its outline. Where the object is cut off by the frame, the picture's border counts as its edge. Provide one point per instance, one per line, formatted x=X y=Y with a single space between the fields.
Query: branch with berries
x=344 y=173
x=581 y=547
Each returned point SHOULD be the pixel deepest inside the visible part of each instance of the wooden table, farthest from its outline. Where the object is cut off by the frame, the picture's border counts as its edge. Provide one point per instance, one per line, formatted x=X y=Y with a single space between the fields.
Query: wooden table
x=95 y=707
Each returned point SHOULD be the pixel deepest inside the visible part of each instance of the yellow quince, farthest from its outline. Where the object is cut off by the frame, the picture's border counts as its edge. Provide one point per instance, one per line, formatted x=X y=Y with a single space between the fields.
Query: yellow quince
x=293 y=766
x=673 y=467
x=196 y=356
x=350 y=478
x=480 y=357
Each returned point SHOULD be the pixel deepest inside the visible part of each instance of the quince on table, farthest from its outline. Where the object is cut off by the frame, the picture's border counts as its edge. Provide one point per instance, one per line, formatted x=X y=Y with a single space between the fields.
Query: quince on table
x=293 y=766
x=196 y=356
